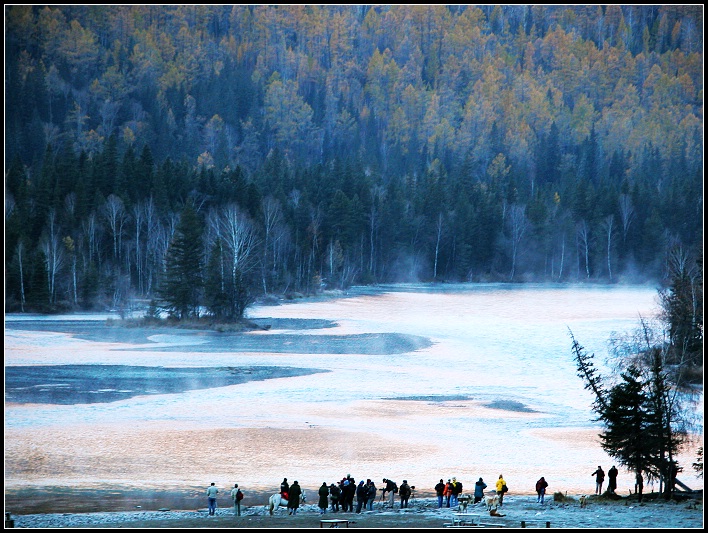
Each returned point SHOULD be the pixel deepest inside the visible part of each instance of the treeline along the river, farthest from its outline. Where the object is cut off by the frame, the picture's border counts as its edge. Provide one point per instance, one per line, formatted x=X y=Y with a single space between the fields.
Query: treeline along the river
x=330 y=145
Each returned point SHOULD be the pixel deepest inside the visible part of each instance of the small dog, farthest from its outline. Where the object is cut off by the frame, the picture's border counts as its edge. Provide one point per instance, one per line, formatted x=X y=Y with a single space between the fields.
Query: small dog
x=492 y=502
x=583 y=501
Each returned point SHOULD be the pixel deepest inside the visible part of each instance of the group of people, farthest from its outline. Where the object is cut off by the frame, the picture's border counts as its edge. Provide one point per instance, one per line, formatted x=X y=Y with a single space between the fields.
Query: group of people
x=448 y=494
x=599 y=475
x=236 y=496
x=340 y=495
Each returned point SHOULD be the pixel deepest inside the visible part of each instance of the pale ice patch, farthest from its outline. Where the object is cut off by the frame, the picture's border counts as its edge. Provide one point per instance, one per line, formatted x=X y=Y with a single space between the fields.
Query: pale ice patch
x=163 y=340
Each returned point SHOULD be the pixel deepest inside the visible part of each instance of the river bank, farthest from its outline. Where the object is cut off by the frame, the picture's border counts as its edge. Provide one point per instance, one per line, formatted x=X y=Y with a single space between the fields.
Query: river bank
x=622 y=513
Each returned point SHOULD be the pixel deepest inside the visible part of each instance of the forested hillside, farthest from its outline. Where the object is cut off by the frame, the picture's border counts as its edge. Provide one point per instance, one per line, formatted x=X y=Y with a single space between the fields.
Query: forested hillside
x=206 y=155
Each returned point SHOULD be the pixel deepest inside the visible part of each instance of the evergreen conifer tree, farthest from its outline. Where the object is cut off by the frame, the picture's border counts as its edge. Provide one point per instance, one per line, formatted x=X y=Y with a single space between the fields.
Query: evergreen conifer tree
x=181 y=289
x=625 y=436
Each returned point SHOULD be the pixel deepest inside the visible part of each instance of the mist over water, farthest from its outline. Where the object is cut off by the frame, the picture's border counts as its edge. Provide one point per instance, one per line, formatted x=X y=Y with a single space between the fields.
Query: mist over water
x=422 y=382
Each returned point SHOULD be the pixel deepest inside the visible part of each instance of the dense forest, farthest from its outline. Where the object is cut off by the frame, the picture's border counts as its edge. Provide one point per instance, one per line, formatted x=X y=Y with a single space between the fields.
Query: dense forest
x=207 y=155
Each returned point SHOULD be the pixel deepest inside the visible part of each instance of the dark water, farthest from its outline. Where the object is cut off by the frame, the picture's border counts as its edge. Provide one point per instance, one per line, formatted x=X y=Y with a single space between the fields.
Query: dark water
x=85 y=384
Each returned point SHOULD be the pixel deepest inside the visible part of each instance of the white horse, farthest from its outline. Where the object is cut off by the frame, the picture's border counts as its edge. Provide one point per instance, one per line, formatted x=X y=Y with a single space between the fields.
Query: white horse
x=276 y=501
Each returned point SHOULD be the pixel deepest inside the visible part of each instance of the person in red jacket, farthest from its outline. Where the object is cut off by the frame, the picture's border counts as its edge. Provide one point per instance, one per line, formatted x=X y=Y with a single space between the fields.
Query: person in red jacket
x=541 y=485
x=447 y=492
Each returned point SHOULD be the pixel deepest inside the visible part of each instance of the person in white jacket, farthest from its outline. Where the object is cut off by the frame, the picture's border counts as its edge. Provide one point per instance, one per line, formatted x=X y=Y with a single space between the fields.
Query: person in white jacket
x=212 y=491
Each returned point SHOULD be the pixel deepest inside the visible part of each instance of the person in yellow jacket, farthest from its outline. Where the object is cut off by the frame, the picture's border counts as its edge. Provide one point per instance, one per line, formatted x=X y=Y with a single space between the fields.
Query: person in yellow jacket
x=501 y=489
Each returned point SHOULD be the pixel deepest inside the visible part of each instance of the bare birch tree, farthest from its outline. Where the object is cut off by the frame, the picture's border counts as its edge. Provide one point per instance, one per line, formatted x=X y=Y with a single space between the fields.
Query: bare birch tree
x=115 y=214
x=272 y=215
x=19 y=249
x=90 y=228
x=562 y=256
x=70 y=248
x=609 y=225
x=335 y=258
x=237 y=232
x=438 y=237
x=152 y=255
x=518 y=224
x=53 y=253
x=20 y=254
x=582 y=234
x=139 y=221
x=626 y=214
x=314 y=229
x=378 y=195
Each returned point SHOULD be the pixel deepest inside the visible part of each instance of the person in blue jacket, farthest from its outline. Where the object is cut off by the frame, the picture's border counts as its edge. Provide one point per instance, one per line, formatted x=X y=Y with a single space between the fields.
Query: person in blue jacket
x=479 y=487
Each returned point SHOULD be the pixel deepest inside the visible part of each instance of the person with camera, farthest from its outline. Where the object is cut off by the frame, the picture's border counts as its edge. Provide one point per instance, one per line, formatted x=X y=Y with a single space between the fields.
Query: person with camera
x=479 y=487
x=391 y=488
x=334 y=494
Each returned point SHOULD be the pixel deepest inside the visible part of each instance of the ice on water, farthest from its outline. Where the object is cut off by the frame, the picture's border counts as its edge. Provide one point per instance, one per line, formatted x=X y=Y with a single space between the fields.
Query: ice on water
x=495 y=392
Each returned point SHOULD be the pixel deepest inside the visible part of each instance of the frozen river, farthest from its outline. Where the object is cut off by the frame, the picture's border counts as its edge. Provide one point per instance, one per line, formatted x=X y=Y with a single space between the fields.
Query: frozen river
x=408 y=381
